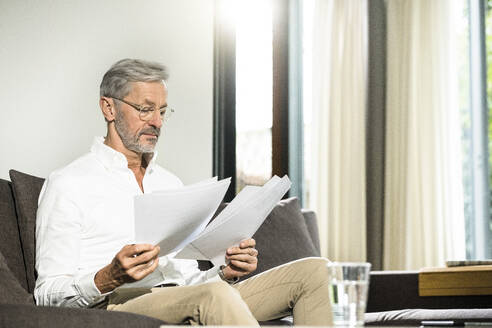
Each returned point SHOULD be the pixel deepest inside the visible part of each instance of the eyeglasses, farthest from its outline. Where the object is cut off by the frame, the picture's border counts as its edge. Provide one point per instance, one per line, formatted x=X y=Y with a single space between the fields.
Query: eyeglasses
x=146 y=113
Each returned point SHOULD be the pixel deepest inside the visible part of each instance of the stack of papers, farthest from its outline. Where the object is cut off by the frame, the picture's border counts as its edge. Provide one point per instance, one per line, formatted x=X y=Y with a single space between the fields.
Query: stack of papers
x=171 y=218
x=176 y=219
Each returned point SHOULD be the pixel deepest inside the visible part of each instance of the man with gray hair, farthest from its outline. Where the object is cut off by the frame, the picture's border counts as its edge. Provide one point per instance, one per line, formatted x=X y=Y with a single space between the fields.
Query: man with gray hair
x=86 y=255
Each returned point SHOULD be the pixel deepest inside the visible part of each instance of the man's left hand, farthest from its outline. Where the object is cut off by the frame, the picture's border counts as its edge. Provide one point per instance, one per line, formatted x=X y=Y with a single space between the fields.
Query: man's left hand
x=242 y=260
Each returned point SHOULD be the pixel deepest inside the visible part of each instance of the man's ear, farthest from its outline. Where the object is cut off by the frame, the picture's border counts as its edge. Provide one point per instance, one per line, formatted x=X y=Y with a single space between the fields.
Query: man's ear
x=107 y=107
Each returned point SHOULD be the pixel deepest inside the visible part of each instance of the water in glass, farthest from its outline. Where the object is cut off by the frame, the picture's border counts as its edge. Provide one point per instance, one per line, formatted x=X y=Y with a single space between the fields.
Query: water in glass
x=348 y=302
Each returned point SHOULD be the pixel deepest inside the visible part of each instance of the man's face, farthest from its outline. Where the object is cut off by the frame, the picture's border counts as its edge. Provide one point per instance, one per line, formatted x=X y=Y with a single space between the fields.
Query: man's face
x=137 y=135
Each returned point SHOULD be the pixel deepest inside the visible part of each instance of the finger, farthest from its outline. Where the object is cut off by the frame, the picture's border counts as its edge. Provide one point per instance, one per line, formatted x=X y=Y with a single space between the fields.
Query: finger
x=135 y=249
x=248 y=243
x=125 y=258
x=244 y=266
x=234 y=270
x=252 y=252
x=237 y=250
x=144 y=257
x=243 y=258
x=143 y=265
x=142 y=270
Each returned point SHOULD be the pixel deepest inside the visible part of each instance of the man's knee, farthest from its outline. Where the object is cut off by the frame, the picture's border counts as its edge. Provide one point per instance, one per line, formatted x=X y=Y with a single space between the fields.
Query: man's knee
x=313 y=269
x=221 y=292
x=311 y=263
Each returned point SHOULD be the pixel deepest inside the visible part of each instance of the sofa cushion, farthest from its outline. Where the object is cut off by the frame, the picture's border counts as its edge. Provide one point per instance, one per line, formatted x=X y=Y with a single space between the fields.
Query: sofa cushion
x=26 y=193
x=11 y=292
x=283 y=237
x=414 y=317
x=53 y=317
x=10 y=246
x=312 y=226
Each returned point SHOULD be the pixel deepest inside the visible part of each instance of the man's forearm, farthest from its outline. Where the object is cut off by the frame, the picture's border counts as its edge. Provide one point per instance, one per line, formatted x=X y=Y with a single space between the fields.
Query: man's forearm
x=104 y=280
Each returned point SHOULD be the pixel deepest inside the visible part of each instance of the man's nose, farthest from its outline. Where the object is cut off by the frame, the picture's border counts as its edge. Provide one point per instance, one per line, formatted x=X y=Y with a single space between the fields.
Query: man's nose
x=156 y=119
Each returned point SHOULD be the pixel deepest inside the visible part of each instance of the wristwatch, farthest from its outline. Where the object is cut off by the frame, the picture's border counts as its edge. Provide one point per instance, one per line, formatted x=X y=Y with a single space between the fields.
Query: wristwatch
x=229 y=281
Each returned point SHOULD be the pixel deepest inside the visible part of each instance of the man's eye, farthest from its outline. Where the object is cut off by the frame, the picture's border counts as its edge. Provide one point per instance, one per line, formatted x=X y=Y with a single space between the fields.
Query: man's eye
x=147 y=110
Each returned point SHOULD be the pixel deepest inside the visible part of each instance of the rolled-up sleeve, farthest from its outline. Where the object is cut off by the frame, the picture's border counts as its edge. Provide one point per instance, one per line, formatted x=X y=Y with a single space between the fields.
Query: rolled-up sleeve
x=59 y=223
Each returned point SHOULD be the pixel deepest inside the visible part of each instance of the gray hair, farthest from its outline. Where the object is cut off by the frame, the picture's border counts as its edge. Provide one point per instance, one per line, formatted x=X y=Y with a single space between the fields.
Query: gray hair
x=116 y=81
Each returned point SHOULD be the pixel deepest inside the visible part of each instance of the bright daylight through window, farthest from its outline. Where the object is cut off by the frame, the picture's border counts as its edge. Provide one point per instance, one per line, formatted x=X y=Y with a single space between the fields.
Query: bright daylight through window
x=475 y=86
x=253 y=21
x=253 y=92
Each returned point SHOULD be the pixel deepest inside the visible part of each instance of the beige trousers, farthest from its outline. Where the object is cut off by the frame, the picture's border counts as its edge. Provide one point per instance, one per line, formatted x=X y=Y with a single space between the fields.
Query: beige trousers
x=299 y=288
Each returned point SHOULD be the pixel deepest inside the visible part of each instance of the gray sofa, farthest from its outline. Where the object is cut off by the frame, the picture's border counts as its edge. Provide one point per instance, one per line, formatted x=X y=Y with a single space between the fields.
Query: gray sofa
x=394 y=301
x=287 y=234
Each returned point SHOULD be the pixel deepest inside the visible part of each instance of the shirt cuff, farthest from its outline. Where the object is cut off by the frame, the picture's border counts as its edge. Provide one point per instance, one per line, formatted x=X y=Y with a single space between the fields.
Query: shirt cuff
x=213 y=274
x=88 y=290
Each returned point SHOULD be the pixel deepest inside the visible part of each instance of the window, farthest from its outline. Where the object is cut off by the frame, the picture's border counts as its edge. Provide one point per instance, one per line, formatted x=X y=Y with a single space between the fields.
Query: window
x=475 y=49
x=307 y=45
x=251 y=101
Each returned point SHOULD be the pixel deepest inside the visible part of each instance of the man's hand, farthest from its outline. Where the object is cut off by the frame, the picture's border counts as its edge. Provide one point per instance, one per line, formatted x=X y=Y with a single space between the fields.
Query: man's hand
x=132 y=263
x=242 y=260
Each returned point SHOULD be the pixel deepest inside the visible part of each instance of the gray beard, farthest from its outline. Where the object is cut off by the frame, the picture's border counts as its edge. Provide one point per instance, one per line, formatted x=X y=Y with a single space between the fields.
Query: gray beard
x=131 y=142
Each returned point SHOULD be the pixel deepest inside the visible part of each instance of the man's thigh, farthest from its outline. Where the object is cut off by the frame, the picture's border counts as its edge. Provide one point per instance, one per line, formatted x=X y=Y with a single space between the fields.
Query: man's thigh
x=209 y=303
x=170 y=304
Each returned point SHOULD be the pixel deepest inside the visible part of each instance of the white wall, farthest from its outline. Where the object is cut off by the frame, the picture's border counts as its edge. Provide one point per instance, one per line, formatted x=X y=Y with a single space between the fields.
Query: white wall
x=53 y=54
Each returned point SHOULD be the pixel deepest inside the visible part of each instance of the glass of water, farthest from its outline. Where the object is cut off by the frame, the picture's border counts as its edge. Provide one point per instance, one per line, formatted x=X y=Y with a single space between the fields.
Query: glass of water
x=349 y=285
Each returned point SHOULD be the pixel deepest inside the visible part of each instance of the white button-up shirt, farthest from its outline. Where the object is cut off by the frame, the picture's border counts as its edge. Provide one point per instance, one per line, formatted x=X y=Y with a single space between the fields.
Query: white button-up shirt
x=85 y=216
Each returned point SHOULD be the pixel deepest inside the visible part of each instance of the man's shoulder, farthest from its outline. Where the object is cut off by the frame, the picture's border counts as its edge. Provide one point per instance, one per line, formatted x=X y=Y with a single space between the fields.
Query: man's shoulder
x=78 y=169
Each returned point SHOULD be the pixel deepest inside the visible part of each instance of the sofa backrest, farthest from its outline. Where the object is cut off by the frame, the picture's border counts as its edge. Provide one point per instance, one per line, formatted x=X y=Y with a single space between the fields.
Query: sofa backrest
x=10 y=245
x=26 y=193
x=312 y=226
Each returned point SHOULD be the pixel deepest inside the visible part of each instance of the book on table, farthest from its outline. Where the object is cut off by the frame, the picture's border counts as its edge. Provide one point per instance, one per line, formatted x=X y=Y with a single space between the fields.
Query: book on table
x=178 y=219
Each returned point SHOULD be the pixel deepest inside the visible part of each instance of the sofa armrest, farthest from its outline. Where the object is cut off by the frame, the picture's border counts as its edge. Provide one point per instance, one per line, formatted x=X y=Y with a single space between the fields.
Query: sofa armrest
x=31 y=316
x=396 y=290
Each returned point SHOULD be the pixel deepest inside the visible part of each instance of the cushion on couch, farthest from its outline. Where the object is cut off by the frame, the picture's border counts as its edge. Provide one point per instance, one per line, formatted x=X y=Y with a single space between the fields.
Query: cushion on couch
x=26 y=191
x=414 y=317
x=312 y=226
x=11 y=292
x=10 y=245
x=53 y=317
x=283 y=237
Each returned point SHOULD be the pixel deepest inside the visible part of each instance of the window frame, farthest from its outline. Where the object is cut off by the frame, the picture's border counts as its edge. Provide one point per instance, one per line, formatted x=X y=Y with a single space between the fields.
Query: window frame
x=480 y=227
x=287 y=153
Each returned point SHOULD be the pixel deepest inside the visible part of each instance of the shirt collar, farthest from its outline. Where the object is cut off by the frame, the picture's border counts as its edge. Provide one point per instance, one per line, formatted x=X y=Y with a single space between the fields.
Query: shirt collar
x=111 y=158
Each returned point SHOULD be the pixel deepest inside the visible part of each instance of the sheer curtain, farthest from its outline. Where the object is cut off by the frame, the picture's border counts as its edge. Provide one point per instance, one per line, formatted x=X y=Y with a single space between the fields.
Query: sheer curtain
x=424 y=220
x=339 y=99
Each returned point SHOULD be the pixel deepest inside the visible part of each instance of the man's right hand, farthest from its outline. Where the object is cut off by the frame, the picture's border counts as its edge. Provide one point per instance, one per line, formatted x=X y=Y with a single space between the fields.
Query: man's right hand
x=132 y=263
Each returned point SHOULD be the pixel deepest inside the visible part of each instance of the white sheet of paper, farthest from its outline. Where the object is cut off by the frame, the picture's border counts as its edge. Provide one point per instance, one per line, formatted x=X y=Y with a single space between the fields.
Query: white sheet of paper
x=174 y=217
x=236 y=204
x=237 y=223
x=247 y=195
